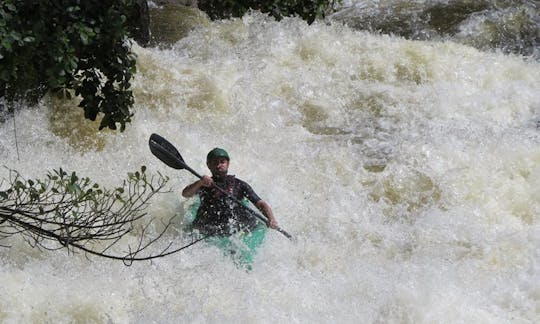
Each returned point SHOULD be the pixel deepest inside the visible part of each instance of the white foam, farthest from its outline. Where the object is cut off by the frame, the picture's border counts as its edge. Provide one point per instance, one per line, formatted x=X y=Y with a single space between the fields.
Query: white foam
x=408 y=171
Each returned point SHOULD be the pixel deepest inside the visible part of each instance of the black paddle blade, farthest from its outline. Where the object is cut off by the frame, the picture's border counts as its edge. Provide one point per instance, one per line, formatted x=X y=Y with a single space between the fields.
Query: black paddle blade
x=166 y=152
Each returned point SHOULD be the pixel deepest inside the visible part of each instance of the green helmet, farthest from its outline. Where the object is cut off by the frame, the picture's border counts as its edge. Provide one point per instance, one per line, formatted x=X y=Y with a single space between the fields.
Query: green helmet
x=217 y=153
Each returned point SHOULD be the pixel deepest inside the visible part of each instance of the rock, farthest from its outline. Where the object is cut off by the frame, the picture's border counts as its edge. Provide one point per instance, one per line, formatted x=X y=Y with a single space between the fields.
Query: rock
x=140 y=22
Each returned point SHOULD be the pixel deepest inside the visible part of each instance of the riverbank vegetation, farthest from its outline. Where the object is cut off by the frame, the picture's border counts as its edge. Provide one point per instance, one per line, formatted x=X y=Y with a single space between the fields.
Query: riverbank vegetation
x=307 y=10
x=64 y=211
x=76 y=48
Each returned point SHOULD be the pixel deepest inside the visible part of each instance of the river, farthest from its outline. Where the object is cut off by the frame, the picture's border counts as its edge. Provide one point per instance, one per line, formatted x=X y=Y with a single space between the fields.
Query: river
x=406 y=165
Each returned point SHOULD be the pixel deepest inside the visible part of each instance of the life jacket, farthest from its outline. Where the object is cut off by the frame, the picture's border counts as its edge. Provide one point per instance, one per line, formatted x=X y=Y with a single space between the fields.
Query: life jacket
x=219 y=214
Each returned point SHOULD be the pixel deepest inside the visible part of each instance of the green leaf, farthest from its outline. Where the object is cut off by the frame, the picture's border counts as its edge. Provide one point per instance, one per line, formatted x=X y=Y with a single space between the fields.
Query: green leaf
x=84 y=38
x=6 y=44
x=76 y=189
x=74 y=177
x=15 y=35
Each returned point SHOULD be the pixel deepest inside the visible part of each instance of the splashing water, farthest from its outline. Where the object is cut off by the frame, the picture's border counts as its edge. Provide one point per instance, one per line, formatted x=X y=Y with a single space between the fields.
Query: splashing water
x=408 y=170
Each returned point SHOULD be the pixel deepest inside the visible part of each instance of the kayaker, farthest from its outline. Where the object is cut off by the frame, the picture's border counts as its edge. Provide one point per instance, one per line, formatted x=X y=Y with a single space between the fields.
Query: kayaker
x=218 y=213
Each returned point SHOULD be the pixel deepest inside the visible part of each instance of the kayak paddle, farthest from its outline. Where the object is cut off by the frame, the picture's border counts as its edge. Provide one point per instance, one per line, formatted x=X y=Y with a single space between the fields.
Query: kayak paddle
x=169 y=155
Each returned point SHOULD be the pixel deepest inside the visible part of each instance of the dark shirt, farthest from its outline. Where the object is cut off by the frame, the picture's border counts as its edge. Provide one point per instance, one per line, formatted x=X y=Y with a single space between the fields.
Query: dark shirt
x=219 y=214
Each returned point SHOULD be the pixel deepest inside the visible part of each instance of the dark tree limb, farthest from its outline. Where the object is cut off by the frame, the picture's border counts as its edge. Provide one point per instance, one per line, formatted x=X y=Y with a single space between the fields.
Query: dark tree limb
x=63 y=211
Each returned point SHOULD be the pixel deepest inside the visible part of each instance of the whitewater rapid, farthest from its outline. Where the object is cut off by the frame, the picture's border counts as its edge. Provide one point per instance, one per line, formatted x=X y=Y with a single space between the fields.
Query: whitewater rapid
x=408 y=171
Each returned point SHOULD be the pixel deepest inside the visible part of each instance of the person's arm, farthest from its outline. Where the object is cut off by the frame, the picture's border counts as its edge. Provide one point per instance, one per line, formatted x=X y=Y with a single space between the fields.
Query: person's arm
x=192 y=189
x=267 y=211
x=259 y=203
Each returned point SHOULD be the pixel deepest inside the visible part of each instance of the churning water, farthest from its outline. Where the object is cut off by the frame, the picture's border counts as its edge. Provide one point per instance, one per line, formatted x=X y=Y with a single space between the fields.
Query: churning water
x=408 y=170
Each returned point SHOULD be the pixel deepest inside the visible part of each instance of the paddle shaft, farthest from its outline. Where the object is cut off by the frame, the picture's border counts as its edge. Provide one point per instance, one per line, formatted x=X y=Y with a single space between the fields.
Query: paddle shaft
x=254 y=213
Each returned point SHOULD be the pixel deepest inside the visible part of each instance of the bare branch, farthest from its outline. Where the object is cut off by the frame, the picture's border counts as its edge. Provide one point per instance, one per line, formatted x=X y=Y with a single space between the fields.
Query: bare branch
x=64 y=211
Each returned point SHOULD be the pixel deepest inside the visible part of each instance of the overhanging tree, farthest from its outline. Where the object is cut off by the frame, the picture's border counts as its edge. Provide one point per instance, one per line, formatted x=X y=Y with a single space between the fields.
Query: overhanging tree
x=69 y=46
x=65 y=211
x=307 y=10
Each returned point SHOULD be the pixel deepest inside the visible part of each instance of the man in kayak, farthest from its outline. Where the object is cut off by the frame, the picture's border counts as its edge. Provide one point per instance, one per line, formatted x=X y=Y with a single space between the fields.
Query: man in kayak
x=218 y=213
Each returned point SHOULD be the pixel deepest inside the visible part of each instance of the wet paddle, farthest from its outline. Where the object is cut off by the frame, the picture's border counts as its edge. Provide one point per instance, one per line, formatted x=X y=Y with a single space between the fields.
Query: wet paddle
x=169 y=155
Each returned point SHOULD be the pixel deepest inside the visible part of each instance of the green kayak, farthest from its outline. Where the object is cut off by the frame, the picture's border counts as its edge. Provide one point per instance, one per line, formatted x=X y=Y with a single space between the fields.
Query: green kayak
x=241 y=247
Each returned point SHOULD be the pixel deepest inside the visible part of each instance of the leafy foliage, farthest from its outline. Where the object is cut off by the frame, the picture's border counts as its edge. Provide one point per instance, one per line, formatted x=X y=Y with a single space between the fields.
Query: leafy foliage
x=307 y=10
x=64 y=45
x=64 y=210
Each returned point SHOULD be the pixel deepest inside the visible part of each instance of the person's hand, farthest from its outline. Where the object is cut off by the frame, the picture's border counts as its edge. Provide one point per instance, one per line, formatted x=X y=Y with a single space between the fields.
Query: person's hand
x=272 y=223
x=206 y=181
